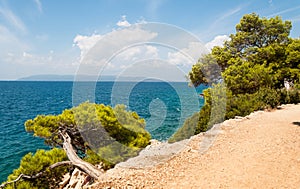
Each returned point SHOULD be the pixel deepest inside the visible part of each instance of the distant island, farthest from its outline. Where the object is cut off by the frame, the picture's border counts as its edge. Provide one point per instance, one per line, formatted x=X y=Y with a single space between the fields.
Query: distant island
x=53 y=77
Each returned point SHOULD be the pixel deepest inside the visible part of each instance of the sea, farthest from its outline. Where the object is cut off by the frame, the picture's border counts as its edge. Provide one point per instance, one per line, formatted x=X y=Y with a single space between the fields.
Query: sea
x=163 y=105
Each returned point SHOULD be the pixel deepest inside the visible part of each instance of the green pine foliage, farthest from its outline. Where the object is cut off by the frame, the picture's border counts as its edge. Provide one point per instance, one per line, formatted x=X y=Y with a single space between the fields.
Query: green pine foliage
x=187 y=130
x=100 y=128
x=254 y=64
x=99 y=133
x=211 y=113
x=32 y=164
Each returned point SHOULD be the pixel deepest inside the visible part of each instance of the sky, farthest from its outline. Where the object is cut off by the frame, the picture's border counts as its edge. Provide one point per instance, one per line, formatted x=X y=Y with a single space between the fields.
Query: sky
x=54 y=36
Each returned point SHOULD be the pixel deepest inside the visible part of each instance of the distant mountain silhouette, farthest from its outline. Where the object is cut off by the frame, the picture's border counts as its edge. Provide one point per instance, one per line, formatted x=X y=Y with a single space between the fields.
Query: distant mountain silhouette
x=54 y=77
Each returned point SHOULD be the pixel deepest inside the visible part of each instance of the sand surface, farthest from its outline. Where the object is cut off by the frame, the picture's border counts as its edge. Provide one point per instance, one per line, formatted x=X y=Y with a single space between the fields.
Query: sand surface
x=261 y=150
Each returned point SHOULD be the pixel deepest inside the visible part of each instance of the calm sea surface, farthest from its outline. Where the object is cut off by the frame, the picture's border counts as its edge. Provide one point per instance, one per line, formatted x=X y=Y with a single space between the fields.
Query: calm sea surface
x=163 y=105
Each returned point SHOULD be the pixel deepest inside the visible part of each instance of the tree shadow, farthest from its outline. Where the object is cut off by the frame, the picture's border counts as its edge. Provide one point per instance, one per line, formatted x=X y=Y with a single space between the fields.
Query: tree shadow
x=296 y=123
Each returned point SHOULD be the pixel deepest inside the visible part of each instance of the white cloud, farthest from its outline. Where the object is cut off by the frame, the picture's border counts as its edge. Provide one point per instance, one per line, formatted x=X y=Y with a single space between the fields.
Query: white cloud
x=29 y=63
x=151 y=51
x=17 y=59
x=120 y=48
x=29 y=59
x=130 y=53
x=137 y=52
x=141 y=20
x=119 y=39
x=14 y=70
x=116 y=38
x=152 y=69
x=27 y=55
x=217 y=41
x=12 y=19
x=95 y=54
x=177 y=58
x=128 y=56
x=187 y=56
x=123 y=22
x=130 y=36
x=39 y=5
x=85 y=43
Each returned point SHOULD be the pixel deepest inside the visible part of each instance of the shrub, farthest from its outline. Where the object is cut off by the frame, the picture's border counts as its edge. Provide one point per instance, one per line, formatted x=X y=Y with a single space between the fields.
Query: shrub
x=187 y=130
x=32 y=164
x=235 y=105
x=291 y=96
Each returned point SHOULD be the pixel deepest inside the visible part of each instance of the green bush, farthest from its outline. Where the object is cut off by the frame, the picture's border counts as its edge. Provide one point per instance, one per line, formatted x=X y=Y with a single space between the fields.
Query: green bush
x=214 y=108
x=32 y=164
x=268 y=98
x=244 y=104
x=187 y=130
x=236 y=105
x=291 y=96
x=99 y=133
x=100 y=126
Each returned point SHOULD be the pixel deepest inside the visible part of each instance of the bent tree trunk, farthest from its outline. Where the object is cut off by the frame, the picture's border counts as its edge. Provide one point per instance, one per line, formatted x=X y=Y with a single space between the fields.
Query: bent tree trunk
x=78 y=162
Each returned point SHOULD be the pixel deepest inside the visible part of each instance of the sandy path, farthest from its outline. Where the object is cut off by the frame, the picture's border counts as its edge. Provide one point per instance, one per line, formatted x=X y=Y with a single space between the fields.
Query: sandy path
x=260 y=151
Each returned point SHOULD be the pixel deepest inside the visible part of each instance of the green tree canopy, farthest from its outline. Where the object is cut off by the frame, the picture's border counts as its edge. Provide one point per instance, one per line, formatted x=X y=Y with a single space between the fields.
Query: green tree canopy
x=260 y=54
x=92 y=125
x=89 y=133
x=254 y=63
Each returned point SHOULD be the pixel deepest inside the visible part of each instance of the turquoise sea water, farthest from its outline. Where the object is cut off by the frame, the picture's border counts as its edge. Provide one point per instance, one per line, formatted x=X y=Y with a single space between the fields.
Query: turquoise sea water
x=163 y=105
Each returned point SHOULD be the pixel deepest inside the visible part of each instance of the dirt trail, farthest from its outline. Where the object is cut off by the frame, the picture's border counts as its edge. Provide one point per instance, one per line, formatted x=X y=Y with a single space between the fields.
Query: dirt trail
x=259 y=151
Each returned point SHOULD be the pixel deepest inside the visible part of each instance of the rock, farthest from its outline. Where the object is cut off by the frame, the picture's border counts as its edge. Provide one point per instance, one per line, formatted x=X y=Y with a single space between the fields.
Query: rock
x=238 y=117
x=153 y=155
x=77 y=180
x=154 y=142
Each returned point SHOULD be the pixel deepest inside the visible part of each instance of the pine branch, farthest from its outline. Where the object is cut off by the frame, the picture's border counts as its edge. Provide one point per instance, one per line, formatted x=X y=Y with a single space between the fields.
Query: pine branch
x=30 y=177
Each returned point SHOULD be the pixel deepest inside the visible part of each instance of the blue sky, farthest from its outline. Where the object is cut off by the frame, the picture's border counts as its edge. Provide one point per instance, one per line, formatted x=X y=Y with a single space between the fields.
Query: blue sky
x=51 y=36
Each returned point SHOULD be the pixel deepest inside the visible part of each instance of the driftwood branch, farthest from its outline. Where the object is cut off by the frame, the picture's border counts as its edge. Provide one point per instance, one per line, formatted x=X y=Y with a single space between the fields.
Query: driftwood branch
x=30 y=177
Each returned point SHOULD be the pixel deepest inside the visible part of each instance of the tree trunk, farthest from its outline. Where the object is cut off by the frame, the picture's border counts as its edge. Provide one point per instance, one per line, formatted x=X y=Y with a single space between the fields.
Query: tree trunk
x=78 y=162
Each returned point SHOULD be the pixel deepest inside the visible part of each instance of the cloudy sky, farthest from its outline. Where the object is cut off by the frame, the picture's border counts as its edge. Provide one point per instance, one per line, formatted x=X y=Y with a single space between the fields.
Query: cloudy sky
x=54 y=36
